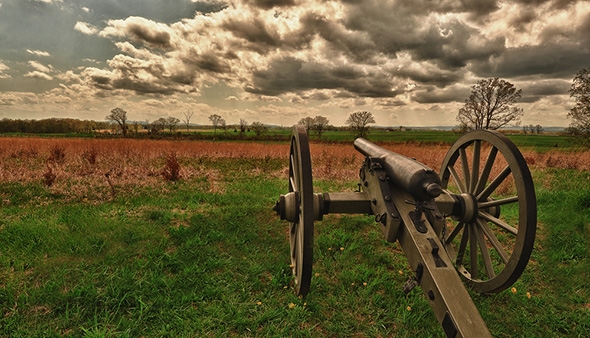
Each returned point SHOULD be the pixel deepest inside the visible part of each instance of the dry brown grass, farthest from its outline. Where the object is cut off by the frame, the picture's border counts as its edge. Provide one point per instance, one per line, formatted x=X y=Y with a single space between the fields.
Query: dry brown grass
x=77 y=167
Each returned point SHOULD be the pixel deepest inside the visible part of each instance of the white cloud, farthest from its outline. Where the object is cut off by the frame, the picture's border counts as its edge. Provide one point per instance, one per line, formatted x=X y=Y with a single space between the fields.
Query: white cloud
x=17 y=98
x=38 y=52
x=86 y=9
x=39 y=75
x=3 y=68
x=85 y=28
x=41 y=68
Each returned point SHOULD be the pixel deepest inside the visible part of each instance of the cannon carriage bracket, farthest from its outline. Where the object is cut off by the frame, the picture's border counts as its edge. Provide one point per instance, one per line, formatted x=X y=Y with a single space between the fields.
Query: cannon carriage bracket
x=473 y=224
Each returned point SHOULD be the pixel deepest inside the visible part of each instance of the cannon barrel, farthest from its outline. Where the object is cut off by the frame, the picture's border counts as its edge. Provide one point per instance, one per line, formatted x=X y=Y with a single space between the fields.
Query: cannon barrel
x=406 y=173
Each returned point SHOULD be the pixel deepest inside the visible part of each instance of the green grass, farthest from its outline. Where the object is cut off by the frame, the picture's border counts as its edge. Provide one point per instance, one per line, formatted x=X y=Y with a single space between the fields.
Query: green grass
x=186 y=262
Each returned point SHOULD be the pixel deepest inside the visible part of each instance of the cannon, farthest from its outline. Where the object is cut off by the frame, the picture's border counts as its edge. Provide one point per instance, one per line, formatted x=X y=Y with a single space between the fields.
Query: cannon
x=473 y=224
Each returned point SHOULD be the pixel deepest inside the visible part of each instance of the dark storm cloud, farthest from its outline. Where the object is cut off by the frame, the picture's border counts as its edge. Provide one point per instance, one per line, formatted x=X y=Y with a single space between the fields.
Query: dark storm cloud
x=290 y=74
x=479 y=8
x=555 y=60
x=433 y=95
x=355 y=44
x=254 y=31
x=558 y=4
x=454 y=44
x=150 y=36
x=268 y=4
x=536 y=90
x=523 y=18
x=393 y=28
x=430 y=76
x=208 y=61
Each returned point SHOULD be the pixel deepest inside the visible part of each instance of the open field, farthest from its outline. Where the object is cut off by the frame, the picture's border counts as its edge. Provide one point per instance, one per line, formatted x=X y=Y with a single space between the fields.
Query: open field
x=539 y=142
x=126 y=238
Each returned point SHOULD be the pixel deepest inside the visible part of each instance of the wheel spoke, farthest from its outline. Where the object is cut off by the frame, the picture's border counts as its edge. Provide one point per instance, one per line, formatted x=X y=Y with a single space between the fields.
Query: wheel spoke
x=465 y=165
x=475 y=166
x=462 y=246
x=454 y=233
x=487 y=169
x=292 y=185
x=457 y=179
x=494 y=203
x=498 y=222
x=485 y=254
x=473 y=251
x=494 y=184
x=293 y=178
x=493 y=240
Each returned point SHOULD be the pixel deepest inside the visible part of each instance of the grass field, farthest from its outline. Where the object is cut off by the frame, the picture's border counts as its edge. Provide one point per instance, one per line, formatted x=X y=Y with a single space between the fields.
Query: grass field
x=540 y=142
x=180 y=241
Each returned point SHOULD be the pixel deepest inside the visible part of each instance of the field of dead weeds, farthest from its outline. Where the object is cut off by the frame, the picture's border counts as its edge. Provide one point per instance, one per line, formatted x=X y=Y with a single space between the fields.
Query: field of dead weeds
x=88 y=168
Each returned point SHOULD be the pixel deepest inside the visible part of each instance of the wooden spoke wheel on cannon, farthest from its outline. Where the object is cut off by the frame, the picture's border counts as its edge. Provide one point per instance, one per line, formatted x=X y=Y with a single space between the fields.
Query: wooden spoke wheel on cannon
x=491 y=239
x=297 y=207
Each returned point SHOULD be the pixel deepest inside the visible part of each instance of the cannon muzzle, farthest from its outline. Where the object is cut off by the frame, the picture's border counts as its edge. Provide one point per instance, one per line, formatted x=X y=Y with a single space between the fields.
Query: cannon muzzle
x=406 y=173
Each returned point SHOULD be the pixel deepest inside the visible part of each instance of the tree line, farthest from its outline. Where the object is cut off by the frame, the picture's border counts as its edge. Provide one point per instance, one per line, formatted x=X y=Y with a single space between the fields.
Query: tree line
x=491 y=105
x=51 y=126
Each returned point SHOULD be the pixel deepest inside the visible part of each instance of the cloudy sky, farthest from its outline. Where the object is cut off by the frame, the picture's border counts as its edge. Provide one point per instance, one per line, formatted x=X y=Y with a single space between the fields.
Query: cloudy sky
x=410 y=63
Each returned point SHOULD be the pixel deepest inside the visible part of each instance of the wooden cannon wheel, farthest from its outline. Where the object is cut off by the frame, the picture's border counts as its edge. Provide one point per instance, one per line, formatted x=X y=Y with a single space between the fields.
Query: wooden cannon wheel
x=301 y=231
x=492 y=246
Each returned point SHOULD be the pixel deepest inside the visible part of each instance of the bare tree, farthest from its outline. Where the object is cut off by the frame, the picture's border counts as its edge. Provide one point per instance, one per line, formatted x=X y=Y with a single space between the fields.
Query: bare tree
x=307 y=122
x=159 y=125
x=187 y=118
x=243 y=126
x=359 y=121
x=223 y=125
x=215 y=119
x=580 y=113
x=491 y=105
x=120 y=116
x=171 y=123
x=259 y=128
x=136 y=127
x=320 y=124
